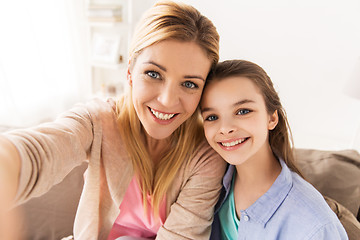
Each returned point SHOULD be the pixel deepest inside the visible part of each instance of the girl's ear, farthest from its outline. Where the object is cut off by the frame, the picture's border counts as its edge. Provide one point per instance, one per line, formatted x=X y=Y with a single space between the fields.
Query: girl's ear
x=273 y=120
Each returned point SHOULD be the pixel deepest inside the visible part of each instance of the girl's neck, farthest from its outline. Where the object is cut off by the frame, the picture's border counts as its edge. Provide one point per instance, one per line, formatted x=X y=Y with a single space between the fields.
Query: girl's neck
x=255 y=177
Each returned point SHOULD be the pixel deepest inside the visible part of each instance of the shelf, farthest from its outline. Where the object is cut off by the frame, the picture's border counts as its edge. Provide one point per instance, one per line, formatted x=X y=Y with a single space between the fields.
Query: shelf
x=109 y=65
x=117 y=24
x=110 y=25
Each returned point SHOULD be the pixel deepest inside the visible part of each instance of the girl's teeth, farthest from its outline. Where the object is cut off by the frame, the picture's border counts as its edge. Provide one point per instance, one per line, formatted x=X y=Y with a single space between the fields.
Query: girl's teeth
x=162 y=116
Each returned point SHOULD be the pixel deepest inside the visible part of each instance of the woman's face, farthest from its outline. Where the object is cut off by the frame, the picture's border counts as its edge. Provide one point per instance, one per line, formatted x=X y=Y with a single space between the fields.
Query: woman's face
x=167 y=80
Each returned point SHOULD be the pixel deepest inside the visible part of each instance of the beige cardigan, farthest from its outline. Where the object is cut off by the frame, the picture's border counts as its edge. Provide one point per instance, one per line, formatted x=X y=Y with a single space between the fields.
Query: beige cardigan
x=89 y=133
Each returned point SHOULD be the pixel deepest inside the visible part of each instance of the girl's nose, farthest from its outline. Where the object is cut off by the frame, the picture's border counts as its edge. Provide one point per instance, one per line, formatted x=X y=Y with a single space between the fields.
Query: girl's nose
x=227 y=127
x=227 y=131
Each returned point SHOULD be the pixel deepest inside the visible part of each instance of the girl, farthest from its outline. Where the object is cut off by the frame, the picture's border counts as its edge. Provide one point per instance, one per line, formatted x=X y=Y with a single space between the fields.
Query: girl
x=149 y=166
x=265 y=196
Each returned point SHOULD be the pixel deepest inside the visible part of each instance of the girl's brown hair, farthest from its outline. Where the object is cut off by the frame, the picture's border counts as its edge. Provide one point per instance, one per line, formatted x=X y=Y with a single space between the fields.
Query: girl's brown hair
x=280 y=138
x=166 y=20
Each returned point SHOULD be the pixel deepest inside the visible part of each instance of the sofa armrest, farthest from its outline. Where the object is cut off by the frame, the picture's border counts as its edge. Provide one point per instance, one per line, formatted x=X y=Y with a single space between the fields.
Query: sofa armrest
x=51 y=216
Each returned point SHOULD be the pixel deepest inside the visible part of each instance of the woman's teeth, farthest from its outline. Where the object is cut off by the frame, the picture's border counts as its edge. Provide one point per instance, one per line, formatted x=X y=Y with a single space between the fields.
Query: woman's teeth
x=161 y=116
x=231 y=144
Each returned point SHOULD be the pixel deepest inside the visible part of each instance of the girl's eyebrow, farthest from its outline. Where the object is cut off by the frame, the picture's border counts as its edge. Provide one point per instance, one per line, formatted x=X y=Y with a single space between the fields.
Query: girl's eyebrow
x=202 y=110
x=241 y=102
x=164 y=69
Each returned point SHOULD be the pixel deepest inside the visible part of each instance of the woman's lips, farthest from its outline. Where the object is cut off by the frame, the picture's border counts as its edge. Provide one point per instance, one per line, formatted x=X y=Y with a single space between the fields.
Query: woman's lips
x=162 y=117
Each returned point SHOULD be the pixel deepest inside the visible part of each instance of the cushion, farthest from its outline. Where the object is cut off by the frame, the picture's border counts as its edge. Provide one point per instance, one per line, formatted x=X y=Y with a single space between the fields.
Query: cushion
x=347 y=219
x=335 y=174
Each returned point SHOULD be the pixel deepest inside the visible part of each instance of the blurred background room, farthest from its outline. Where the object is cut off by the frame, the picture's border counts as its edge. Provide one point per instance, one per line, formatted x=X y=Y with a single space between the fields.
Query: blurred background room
x=54 y=53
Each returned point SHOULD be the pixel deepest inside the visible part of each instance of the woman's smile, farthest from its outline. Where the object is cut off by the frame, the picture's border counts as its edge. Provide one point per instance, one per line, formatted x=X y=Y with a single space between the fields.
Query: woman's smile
x=163 y=117
x=167 y=81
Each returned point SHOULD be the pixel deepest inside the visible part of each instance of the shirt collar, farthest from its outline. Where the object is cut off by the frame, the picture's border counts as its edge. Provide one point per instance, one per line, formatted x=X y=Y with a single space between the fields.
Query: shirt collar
x=226 y=187
x=265 y=207
x=227 y=179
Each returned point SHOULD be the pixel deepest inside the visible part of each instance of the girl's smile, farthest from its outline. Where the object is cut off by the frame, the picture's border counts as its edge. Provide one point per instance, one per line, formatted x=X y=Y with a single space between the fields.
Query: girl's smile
x=236 y=121
x=233 y=144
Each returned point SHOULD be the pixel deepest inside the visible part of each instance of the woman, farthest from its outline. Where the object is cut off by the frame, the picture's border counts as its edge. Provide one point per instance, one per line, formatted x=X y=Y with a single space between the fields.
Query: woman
x=150 y=173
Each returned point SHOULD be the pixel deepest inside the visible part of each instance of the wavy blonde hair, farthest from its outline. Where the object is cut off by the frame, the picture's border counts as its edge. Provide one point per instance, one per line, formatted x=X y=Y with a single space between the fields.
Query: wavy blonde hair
x=166 y=20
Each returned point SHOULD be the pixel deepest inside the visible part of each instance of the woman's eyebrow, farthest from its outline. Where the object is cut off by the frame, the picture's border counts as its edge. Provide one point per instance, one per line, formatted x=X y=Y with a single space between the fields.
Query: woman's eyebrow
x=156 y=64
x=194 y=76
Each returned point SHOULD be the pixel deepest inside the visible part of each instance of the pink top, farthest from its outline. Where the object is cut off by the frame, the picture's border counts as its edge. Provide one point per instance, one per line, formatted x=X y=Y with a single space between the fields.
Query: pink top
x=132 y=220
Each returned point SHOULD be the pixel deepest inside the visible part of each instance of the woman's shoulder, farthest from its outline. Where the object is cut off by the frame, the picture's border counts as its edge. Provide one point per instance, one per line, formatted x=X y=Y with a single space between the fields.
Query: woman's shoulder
x=206 y=157
x=89 y=111
x=101 y=107
x=204 y=150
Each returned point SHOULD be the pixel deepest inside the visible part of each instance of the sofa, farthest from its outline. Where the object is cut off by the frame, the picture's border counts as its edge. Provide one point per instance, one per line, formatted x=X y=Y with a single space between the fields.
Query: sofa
x=336 y=174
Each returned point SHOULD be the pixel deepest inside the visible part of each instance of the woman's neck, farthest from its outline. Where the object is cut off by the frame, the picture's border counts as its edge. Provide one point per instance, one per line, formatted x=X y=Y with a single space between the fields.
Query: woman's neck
x=156 y=148
x=255 y=177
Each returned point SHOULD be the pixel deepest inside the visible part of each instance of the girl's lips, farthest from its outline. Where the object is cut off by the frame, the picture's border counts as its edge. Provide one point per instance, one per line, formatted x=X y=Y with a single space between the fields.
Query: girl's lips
x=232 y=144
x=162 y=117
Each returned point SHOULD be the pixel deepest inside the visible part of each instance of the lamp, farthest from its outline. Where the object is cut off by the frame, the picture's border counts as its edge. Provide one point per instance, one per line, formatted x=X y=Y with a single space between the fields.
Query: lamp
x=352 y=89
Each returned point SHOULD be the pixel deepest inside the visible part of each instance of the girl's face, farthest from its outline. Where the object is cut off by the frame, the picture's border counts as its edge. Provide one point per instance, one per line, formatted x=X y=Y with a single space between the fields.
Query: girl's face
x=236 y=121
x=167 y=80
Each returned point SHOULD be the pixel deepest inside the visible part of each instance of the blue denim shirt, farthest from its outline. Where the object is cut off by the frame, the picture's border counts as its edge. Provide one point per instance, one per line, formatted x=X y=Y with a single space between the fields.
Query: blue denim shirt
x=291 y=209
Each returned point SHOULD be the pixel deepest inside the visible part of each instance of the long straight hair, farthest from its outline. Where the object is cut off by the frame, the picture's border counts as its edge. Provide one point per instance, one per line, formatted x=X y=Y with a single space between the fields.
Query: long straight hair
x=166 y=20
x=280 y=138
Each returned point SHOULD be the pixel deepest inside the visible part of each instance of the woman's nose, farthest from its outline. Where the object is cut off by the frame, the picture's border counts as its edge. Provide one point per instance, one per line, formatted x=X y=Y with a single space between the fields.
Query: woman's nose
x=169 y=95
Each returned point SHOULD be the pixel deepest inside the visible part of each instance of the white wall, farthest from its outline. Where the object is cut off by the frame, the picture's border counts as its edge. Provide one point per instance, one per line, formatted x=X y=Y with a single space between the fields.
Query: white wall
x=309 y=49
x=42 y=57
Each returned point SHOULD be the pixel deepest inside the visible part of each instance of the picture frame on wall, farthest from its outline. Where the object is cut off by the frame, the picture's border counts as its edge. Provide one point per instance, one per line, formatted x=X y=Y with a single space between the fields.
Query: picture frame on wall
x=106 y=48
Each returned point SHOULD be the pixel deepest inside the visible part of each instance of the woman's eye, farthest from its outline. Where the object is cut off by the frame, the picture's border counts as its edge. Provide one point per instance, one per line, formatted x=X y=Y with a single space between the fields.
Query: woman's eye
x=211 y=118
x=153 y=74
x=243 y=112
x=189 y=84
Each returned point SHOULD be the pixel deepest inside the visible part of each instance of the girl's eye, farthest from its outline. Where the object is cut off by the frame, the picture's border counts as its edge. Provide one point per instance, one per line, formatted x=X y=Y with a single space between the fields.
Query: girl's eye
x=153 y=74
x=189 y=84
x=243 y=112
x=211 y=118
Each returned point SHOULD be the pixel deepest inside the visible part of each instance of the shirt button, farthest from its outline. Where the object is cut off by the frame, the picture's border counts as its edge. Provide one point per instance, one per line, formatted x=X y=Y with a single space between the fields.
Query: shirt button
x=246 y=218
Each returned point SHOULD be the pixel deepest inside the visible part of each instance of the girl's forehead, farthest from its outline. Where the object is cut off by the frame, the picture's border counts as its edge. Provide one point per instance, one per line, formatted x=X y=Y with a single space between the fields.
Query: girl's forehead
x=230 y=90
x=236 y=84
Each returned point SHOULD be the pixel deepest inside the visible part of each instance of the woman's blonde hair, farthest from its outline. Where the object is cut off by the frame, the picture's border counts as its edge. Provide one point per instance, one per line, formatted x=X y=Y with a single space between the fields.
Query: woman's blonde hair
x=280 y=138
x=166 y=20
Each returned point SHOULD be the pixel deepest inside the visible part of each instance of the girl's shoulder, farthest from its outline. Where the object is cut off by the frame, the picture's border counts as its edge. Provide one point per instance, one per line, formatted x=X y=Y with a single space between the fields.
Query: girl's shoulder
x=304 y=206
x=305 y=199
